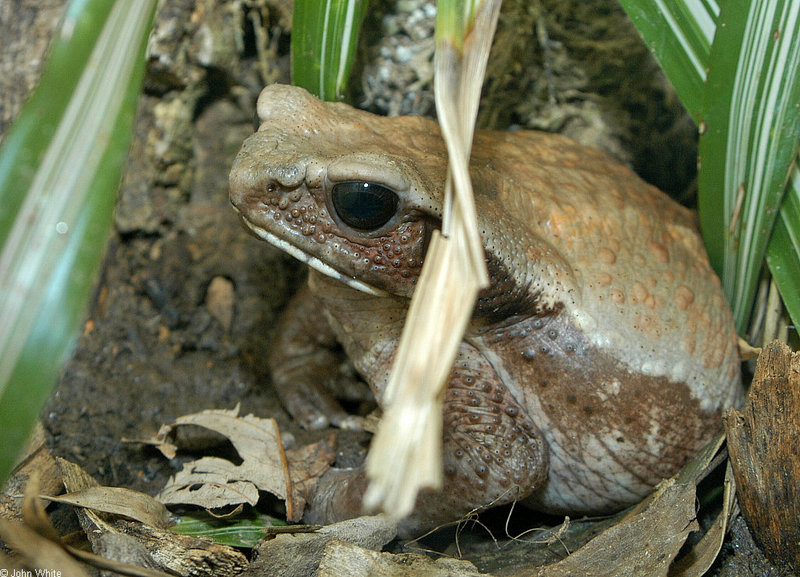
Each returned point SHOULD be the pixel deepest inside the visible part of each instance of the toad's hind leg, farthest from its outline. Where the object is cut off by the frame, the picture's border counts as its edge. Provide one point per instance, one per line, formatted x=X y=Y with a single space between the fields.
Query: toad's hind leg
x=492 y=452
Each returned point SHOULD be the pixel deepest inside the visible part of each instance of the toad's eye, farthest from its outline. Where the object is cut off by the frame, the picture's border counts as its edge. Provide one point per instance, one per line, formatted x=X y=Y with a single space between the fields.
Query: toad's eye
x=364 y=205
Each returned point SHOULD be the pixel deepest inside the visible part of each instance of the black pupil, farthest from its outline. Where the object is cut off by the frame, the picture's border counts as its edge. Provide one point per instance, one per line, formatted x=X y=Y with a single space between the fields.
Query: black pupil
x=364 y=205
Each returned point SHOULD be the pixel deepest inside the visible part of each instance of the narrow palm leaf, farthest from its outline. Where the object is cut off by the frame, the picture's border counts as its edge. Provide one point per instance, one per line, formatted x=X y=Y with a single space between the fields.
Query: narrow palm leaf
x=324 y=39
x=59 y=172
x=783 y=251
x=751 y=126
x=679 y=33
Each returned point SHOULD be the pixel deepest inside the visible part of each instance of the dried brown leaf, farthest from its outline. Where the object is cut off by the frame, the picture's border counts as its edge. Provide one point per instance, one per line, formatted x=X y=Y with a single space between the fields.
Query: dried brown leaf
x=342 y=559
x=247 y=434
x=213 y=482
x=33 y=512
x=162 y=443
x=702 y=556
x=75 y=478
x=406 y=452
x=36 y=460
x=128 y=547
x=39 y=544
x=306 y=466
x=36 y=457
x=643 y=544
x=9 y=564
x=38 y=552
x=118 y=501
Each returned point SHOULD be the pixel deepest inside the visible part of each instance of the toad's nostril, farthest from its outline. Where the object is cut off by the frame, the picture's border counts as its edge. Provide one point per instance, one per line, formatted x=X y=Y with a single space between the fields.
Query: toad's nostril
x=287 y=175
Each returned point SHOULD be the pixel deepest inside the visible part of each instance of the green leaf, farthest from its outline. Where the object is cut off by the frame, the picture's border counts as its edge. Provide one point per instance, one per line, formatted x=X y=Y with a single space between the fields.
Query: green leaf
x=750 y=130
x=244 y=530
x=679 y=34
x=59 y=171
x=753 y=83
x=324 y=39
x=27 y=140
x=454 y=19
x=783 y=251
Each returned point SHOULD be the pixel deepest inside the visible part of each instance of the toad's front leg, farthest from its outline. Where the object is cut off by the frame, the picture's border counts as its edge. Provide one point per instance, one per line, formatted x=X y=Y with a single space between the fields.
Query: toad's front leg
x=493 y=454
x=306 y=364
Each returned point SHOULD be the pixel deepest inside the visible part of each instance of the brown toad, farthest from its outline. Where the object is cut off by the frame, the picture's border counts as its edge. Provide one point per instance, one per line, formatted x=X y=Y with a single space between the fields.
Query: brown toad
x=596 y=363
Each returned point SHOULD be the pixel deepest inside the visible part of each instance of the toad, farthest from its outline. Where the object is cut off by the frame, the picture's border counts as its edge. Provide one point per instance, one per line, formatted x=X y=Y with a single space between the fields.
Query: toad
x=599 y=359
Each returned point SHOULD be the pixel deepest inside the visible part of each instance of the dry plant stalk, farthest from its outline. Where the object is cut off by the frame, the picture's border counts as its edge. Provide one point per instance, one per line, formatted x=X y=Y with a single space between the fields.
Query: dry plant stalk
x=406 y=452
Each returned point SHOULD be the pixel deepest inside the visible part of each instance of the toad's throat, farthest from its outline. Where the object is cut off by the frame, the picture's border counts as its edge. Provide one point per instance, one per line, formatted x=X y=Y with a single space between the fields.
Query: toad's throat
x=312 y=261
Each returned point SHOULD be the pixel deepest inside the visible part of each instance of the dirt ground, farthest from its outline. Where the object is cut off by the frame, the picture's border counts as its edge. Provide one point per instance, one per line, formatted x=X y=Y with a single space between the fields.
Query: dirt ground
x=183 y=314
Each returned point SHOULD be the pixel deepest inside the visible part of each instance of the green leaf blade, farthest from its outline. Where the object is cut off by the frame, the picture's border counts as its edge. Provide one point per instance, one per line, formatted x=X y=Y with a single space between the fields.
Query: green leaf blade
x=53 y=241
x=679 y=34
x=324 y=43
x=783 y=252
x=243 y=530
x=26 y=141
x=752 y=121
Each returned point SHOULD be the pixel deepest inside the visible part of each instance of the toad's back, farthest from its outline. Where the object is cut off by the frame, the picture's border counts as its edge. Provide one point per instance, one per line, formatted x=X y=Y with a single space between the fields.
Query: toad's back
x=627 y=262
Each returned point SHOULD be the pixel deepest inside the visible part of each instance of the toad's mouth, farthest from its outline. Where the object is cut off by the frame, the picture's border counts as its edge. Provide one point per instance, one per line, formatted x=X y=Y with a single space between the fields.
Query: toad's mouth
x=311 y=260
